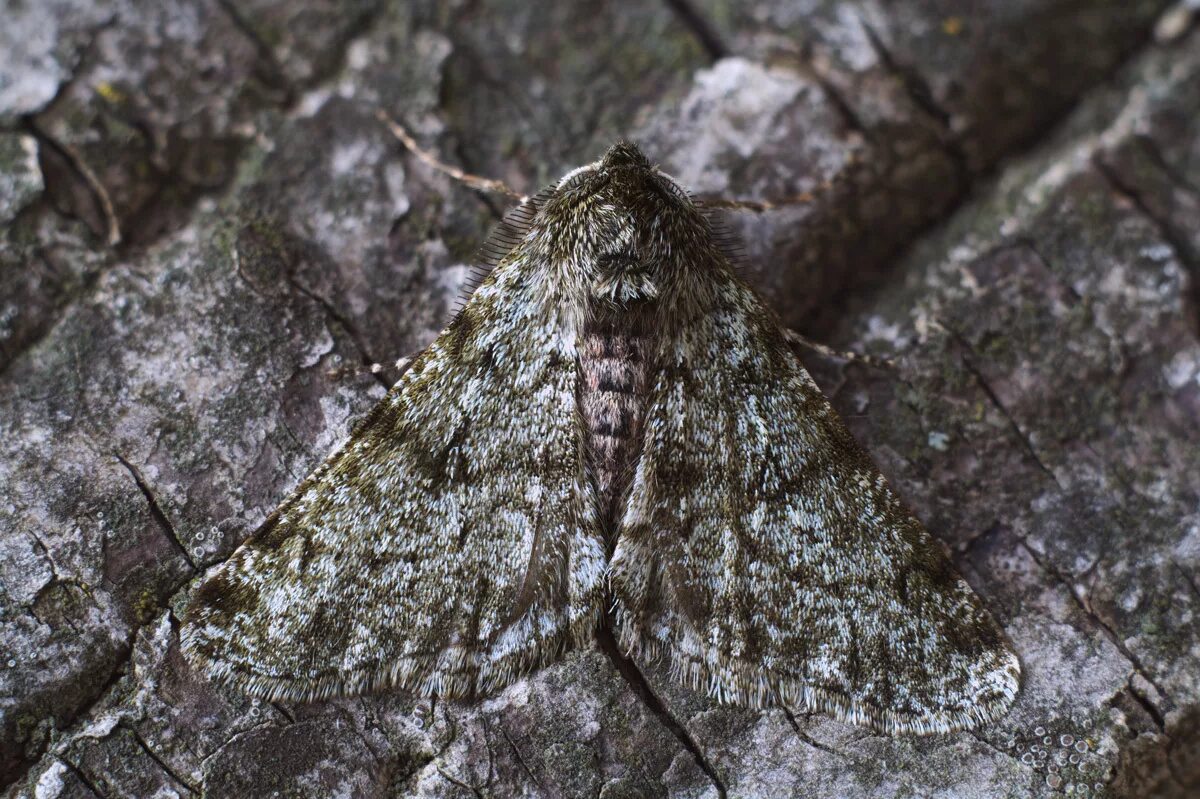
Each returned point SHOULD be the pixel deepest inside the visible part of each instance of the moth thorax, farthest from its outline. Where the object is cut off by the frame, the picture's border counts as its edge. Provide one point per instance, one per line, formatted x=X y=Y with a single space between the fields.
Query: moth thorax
x=626 y=286
x=614 y=377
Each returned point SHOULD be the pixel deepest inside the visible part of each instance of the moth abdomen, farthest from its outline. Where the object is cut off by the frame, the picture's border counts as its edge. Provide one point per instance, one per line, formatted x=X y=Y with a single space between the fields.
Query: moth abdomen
x=613 y=383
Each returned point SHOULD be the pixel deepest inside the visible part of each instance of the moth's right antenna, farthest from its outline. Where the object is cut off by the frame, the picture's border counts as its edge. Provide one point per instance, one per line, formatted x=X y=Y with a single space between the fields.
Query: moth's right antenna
x=466 y=178
x=803 y=198
x=797 y=339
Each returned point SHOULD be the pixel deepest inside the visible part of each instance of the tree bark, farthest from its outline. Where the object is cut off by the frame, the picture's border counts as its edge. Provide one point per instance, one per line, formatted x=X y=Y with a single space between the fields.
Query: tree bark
x=204 y=220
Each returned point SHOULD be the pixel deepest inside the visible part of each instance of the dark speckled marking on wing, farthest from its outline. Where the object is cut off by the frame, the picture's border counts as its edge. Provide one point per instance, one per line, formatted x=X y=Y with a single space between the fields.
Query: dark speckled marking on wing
x=764 y=554
x=360 y=579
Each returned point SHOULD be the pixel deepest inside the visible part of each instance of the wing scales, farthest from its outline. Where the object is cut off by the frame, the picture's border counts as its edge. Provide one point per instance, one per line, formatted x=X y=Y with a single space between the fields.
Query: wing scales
x=763 y=552
x=448 y=547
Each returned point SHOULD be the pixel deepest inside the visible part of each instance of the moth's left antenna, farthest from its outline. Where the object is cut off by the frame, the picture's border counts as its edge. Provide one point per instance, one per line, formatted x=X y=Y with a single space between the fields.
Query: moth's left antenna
x=466 y=178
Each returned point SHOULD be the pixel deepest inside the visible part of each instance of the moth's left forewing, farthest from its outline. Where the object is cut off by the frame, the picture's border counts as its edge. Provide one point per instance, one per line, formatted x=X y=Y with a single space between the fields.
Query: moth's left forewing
x=762 y=551
x=447 y=548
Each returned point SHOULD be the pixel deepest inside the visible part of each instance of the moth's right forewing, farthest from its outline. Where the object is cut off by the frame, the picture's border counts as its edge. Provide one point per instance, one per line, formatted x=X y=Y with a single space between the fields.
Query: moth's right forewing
x=448 y=547
x=764 y=554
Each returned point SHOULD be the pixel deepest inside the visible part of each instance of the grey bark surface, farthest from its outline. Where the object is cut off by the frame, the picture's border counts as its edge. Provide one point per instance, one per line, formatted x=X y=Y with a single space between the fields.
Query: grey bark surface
x=203 y=220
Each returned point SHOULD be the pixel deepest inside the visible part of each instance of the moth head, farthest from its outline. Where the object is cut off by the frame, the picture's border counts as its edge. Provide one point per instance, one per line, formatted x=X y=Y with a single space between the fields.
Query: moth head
x=624 y=236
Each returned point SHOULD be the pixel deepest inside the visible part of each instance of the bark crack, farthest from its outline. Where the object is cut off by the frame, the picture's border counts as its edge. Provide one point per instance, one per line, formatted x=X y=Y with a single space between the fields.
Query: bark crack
x=283 y=711
x=1144 y=702
x=1188 y=578
x=1004 y=411
x=808 y=739
x=342 y=321
x=359 y=733
x=23 y=767
x=123 y=658
x=1174 y=239
x=919 y=92
x=471 y=786
x=1178 y=179
x=274 y=75
x=521 y=760
x=1106 y=628
x=56 y=579
x=636 y=680
x=979 y=737
x=239 y=734
x=845 y=111
x=82 y=777
x=177 y=777
x=969 y=364
x=699 y=27
x=1182 y=248
x=474 y=789
x=55 y=309
x=156 y=511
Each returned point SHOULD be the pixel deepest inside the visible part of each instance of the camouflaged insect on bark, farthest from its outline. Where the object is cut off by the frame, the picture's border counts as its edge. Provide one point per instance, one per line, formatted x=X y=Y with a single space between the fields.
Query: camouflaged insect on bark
x=612 y=431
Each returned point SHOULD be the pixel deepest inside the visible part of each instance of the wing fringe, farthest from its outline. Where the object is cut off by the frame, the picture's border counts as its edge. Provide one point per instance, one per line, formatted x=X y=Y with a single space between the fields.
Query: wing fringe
x=452 y=673
x=734 y=682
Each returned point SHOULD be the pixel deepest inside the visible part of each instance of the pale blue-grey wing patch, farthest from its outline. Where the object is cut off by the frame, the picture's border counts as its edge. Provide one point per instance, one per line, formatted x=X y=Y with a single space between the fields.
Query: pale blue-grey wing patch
x=764 y=554
x=448 y=547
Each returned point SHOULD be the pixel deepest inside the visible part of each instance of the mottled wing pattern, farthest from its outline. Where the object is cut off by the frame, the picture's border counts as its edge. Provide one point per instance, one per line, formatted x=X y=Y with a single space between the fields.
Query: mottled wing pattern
x=449 y=546
x=765 y=554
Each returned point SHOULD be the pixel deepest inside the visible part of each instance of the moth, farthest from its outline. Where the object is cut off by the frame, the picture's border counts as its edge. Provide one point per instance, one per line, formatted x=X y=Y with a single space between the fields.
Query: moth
x=613 y=430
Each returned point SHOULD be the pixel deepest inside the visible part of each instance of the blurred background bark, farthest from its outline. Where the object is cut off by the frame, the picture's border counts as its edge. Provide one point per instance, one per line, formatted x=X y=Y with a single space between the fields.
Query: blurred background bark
x=203 y=218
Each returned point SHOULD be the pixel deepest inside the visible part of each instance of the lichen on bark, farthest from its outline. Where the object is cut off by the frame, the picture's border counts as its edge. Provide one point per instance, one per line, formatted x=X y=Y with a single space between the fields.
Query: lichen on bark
x=1009 y=212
